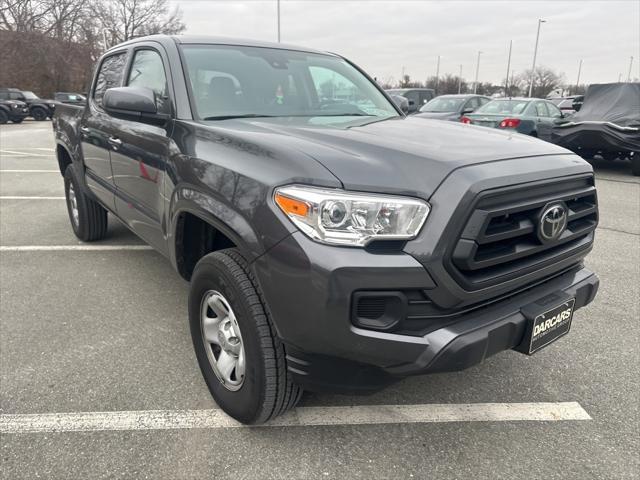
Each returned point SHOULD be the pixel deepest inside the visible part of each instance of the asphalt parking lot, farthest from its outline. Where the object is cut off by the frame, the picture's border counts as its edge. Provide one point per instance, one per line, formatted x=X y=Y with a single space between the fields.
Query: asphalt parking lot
x=105 y=330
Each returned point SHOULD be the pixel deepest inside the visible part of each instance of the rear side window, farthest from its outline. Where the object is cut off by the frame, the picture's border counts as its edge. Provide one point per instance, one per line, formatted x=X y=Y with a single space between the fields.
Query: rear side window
x=541 y=109
x=110 y=75
x=147 y=71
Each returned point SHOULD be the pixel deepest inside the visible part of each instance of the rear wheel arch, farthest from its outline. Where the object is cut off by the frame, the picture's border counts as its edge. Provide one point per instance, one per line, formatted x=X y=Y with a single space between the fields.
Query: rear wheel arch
x=64 y=158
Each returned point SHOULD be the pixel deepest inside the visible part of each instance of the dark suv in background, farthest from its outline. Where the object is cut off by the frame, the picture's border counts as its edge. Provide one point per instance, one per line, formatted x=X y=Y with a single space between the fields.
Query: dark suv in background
x=70 y=98
x=13 y=110
x=39 y=108
x=417 y=97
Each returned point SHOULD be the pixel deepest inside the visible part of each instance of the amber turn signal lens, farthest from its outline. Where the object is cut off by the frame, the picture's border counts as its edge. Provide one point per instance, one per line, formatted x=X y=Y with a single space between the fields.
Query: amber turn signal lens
x=291 y=206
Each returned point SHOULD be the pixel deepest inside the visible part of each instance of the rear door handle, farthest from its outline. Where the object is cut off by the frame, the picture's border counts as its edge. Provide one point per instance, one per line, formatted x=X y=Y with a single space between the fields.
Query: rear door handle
x=114 y=141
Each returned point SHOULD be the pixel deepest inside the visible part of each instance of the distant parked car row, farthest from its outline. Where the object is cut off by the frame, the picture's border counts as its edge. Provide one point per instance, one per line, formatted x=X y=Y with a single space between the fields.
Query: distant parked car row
x=604 y=122
x=14 y=101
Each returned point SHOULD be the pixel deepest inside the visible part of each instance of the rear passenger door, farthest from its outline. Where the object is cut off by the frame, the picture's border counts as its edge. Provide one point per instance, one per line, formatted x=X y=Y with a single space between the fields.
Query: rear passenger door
x=139 y=157
x=97 y=129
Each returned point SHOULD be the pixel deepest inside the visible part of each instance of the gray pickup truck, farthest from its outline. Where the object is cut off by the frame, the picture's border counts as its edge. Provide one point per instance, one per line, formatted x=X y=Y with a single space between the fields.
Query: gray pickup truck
x=331 y=242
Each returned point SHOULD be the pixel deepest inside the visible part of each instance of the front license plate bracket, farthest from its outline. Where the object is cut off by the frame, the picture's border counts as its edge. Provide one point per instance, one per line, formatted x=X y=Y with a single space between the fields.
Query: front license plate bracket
x=548 y=319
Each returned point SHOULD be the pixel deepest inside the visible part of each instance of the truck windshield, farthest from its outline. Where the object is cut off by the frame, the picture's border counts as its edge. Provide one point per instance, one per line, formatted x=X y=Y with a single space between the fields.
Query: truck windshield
x=30 y=95
x=236 y=81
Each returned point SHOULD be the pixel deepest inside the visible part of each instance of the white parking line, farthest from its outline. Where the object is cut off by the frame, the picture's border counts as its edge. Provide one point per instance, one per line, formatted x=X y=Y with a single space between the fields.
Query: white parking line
x=301 y=416
x=25 y=154
x=9 y=197
x=29 y=171
x=73 y=248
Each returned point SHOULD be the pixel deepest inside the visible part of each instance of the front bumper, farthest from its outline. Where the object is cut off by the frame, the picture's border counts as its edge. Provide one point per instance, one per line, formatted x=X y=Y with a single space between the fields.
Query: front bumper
x=309 y=289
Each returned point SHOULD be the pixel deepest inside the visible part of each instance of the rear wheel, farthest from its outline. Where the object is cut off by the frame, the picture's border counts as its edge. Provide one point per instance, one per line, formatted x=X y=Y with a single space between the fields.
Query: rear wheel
x=241 y=358
x=88 y=218
x=4 y=118
x=39 y=113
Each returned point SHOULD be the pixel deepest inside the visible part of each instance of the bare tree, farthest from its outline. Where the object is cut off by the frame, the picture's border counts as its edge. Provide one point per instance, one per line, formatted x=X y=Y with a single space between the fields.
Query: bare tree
x=544 y=80
x=447 y=84
x=126 y=19
x=23 y=15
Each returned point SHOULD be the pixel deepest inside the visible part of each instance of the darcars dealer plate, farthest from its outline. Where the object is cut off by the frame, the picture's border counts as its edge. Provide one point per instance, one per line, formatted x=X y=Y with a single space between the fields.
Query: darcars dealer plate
x=551 y=325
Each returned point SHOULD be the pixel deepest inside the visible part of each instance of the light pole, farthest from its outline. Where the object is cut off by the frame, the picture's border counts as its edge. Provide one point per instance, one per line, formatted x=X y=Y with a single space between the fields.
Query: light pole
x=506 y=81
x=629 y=74
x=437 y=74
x=535 y=53
x=475 y=84
x=578 y=80
x=460 y=80
x=278 y=1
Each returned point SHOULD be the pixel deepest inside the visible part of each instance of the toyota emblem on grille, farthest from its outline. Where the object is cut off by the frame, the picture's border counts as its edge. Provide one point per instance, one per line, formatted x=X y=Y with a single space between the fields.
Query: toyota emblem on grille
x=553 y=222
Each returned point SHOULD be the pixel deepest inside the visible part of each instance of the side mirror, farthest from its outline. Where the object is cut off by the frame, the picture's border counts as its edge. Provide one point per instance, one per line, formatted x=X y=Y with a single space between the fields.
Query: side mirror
x=133 y=103
x=468 y=110
x=401 y=102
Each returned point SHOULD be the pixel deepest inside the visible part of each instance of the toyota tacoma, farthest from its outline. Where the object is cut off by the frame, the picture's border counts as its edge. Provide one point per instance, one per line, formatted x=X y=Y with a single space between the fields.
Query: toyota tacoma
x=331 y=242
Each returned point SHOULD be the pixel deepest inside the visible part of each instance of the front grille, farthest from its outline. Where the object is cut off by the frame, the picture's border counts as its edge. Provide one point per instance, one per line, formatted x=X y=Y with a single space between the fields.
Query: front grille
x=500 y=240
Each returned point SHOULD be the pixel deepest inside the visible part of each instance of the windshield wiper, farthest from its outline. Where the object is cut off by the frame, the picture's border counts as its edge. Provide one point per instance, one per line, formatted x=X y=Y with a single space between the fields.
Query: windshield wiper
x=245 y=115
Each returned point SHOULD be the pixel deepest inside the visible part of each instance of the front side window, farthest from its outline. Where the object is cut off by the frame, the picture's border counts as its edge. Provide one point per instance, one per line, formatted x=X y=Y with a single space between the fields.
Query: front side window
x=236 y=81
x=554 y=111
x=110 y=75
x=147 y=71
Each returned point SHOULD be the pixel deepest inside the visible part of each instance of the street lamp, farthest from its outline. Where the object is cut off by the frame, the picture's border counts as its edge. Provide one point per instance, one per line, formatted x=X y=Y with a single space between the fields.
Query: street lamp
x=629 y=74
x=460 y=80
x=578 y=80
x=535 y=53
x=278 y=1
x=438 y=74
x=475 y=84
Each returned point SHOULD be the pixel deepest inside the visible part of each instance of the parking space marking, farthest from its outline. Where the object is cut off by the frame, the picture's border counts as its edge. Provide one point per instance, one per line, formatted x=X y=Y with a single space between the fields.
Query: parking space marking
x=13 y=197
x=29 y=171
x=299 y=417
x=74 y=248
x=26 y=154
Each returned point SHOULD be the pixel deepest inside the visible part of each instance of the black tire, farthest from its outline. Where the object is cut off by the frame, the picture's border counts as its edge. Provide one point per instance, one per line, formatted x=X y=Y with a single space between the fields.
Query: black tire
x=39 y=114
x=267 y=389
x=4 y=118
x=635 y=164
x=17 y=120
x=92 y=219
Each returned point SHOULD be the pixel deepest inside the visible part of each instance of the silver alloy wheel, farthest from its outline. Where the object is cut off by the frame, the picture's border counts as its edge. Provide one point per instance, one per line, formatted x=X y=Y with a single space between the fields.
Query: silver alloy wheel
x=73 y=204
x=222 y=340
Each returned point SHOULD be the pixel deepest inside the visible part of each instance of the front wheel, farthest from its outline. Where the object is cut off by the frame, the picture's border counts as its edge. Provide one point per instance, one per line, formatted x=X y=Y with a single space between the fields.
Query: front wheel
x=635 y=164
x=88 y=218
x=241 y=358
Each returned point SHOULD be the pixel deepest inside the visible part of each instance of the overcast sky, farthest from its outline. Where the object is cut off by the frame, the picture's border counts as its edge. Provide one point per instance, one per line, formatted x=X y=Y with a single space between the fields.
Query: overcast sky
x=383 y=36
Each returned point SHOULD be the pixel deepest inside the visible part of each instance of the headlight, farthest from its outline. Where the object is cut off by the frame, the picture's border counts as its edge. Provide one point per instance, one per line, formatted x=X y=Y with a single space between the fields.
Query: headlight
x=52 y=105
x=14 y=105
x=337 y=217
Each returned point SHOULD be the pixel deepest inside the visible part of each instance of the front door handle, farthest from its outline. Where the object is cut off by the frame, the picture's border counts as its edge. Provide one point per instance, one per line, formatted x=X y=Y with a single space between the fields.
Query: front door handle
x=84 y=130
x=115 y=142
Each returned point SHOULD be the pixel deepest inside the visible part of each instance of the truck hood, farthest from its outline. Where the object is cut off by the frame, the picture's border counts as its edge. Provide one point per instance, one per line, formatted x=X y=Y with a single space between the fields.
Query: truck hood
x=408 y=155
x=438 y=115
